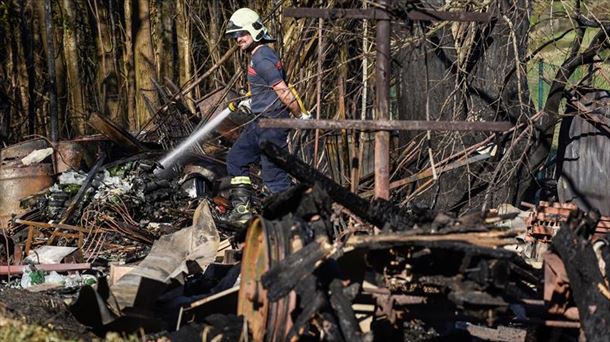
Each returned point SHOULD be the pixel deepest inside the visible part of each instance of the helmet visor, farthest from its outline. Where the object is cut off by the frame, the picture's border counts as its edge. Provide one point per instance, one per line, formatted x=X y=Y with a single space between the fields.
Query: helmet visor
x=236 y=34
x=233 y=30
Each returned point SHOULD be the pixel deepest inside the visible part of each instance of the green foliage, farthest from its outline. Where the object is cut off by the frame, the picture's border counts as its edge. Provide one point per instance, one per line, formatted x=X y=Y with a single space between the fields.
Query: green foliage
x=119 y=170
x=71 y=188
x=551 y=20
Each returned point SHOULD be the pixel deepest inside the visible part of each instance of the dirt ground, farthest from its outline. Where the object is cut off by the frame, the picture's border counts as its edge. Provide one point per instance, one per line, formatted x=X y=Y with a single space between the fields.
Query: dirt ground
x=45 y=309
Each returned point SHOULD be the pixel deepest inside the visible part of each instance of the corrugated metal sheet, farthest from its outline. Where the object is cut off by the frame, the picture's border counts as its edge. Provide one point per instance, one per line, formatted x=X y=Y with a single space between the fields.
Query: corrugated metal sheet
x=585 y=147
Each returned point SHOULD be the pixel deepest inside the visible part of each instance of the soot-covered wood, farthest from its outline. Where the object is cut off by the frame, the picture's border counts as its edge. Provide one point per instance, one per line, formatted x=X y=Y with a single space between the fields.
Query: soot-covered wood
x=573 y=245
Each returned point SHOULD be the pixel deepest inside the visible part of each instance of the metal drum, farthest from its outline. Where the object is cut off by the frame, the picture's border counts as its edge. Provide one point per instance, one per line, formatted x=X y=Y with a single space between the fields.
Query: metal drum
x=17 y=180
x=266 y=245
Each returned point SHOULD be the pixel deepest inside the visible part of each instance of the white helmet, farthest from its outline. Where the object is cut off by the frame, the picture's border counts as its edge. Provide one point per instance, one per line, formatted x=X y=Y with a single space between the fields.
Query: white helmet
x=245 y=19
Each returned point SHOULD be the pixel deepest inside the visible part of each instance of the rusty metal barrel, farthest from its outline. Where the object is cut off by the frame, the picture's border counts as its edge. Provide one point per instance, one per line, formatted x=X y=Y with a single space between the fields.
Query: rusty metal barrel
x=17 y=180
x=266 y=245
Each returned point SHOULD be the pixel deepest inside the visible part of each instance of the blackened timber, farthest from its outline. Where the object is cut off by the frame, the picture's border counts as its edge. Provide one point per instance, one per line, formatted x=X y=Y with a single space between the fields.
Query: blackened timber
x=378 y=212
x=377 y=14
x=343 y=309
x=309 y=309
x=388 y=125
x=283 y=277
x=573 y=245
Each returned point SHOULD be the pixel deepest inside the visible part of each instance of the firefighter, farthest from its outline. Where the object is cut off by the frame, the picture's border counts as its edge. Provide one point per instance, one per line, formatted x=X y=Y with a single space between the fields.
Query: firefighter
x=271 y=97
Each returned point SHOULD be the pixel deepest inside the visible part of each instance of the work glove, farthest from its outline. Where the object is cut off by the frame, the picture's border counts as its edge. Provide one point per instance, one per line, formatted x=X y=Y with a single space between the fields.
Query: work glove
x=244 y=106
x=241 y=112
x=305 y=115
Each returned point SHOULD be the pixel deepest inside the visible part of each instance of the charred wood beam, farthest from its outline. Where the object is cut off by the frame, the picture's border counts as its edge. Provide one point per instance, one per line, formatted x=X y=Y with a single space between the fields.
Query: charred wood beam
x=77 y=199
x=298 y=201
x=388 y=125
x=378 y=14
x=343 y=308
x=331 y=328
x=526 y=274
x=308 y=311
x=378 y=212
x=573 y=245
x=283 y=277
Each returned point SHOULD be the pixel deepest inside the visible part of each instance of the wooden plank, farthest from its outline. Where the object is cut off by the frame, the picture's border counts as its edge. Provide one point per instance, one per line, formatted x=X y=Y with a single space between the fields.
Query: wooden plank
x=388 y=125
x=213 y=297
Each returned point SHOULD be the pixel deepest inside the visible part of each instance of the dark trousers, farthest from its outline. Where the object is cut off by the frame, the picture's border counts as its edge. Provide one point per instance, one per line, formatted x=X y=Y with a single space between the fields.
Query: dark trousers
x=246 y=151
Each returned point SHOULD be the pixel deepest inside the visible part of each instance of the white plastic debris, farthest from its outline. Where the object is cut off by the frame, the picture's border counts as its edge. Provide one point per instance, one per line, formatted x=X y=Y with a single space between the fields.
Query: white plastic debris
x=113 y=186
x=37 y=156
x=26 y=279
x=31 y=277
x=48 y=254
x=54 y=278
x=72 y=177
x=73 y=280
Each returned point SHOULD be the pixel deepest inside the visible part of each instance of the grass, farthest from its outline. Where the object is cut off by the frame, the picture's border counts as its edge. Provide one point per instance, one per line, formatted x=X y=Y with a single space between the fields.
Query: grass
x=12 y=330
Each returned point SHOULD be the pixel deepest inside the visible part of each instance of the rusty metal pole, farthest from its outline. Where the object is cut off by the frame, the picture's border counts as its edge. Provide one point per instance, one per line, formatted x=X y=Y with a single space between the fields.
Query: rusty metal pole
x=382 y=108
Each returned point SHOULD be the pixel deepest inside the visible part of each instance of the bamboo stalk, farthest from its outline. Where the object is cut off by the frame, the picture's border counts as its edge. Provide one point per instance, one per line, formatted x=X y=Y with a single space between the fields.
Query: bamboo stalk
x=318 y=90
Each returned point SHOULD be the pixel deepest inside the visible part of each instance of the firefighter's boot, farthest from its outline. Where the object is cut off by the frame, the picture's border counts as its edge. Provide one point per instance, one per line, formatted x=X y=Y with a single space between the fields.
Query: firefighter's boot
x=240 y=196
